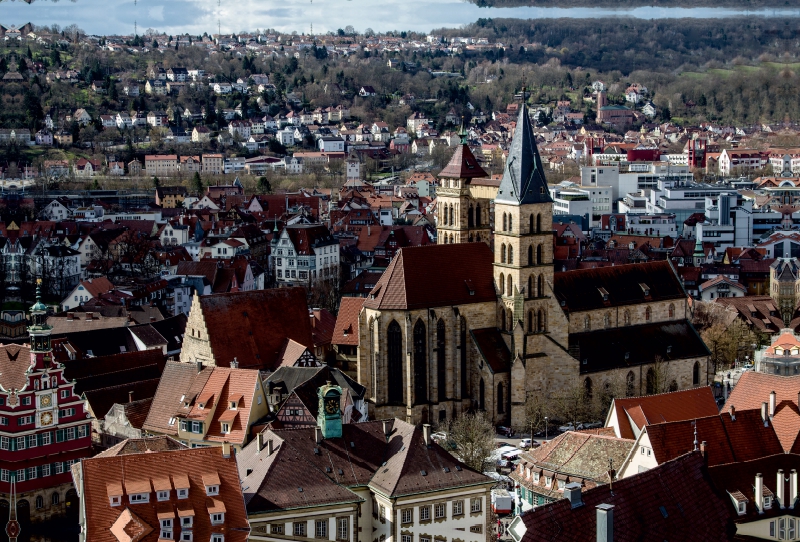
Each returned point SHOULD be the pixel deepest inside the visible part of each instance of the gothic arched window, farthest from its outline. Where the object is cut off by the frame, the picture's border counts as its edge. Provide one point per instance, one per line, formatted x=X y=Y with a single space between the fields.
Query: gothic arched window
x=470 y=217
x=696 y=373
x=394 y=380
x=510 y=254
x=505 y=222
x=420 y=364
x=509 y=286
x=463 y=353
x=503 y=253
x=478 y=214
x=441 y=369
x=539 y=254
x=540 y=286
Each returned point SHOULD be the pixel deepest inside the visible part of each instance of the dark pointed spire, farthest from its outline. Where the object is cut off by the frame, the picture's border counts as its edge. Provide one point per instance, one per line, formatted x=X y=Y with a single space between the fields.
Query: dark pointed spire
x=523 y=177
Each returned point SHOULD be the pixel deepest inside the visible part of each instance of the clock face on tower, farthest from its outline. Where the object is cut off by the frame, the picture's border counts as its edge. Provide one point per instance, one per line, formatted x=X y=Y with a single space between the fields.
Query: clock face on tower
x=45 y=400
x=332 y=405
x=46 y=419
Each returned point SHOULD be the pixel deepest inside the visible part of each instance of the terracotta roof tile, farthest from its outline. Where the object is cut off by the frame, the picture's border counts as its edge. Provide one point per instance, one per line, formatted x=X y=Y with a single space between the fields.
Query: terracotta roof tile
x=462 y=165
x=252 y=326
x=665 y=407
x=436 y=276
x=346 y=329
x=140 y=521
x=492 y=348
x=674 y=501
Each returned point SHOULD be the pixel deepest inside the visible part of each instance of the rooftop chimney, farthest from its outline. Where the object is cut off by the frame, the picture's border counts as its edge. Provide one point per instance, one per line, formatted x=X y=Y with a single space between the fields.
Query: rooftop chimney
x=703 y=448
x=733 y=412
x=199 y=366
x=152 y=319
x=318 y=434
x=386 y=429
x=234 y=363
x=605 y=522
x=270 y=447
x=759 y=496
x=780 y=484
x=130 y=396
x=792 y=487
x=226 y=449
x=764 y=414
x=259 y=442
x=426 y=434
x=772 y=397
x=572 y=491
x=71 y=316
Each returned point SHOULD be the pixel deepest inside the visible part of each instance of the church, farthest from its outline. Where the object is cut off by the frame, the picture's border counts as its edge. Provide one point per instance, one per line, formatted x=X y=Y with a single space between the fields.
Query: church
x=482 y=322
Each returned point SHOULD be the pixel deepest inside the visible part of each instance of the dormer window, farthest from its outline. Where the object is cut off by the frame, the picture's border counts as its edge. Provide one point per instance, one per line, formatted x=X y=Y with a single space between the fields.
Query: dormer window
x=115 y=500
x=741 y=508
x=183 y=493
x=226 y=428
x=163 y=495
x=767 y=502
x=217 y=519
x=212 y=490
x=140 y=498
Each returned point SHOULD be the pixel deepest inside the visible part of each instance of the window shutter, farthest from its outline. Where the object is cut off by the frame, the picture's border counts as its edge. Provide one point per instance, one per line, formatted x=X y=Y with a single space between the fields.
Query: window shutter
x=39 y=439
x=12 y=444
x=39 y=471
x=59 y=435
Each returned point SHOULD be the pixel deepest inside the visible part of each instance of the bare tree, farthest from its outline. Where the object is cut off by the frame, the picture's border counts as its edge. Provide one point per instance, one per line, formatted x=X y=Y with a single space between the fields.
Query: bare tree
x=537 y=408
x=572 y=405
x=473 y=437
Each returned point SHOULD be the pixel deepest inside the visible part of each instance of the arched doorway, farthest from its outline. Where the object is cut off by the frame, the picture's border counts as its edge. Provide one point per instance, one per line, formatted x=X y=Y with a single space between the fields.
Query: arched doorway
x=23 y=512
x=72 y=504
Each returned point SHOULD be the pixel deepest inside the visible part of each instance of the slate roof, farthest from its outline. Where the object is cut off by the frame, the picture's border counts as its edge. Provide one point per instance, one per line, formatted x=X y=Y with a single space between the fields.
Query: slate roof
x=663 y=407
x=252 y=326
x=363 y=456
x=172 y=468
x=346 y=329
x=631 y=346
x=291 y=378
x=674 y=501
x=580 y=290
x=523 y=180
x=436 y=276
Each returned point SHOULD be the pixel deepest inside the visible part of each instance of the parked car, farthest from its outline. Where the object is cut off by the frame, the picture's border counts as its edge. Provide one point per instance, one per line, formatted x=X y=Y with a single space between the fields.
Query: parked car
x=568 y=427
x=525 y=443
x=501 y=444
x=505 y=431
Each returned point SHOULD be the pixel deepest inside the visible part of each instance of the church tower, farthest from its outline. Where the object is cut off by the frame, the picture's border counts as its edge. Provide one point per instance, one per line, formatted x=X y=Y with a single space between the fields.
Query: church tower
x=460 y=217
x=523 y=243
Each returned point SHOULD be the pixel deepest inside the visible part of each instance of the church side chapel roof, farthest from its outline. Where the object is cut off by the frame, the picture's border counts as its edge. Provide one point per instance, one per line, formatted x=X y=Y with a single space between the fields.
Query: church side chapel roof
x=591 y=289
x=435 y=276
x=523 y=180
x=493 y=349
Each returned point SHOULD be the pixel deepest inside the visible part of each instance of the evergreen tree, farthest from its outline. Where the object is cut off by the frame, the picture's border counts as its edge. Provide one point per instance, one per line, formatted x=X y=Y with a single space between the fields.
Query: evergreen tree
x=197 y=184
x=156 y=182
x=264 y=186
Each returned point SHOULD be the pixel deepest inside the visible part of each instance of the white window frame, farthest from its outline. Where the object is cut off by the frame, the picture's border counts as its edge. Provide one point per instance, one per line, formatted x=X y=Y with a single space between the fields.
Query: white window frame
x=140 y=498
x=458 y=508
x=217 y=518
x=476 y=504
x=163 y=495
x=424 y=513
x=212 y=490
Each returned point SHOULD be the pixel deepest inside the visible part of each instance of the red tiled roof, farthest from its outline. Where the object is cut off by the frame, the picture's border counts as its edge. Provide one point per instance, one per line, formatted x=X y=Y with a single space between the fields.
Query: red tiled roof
x=754 y=388
x=436 y=276
x=462 y=165
x=140 y=521
x=323 y=323
x=664 y=407
x=674 y=501
x=252 y=326
x=346 y=330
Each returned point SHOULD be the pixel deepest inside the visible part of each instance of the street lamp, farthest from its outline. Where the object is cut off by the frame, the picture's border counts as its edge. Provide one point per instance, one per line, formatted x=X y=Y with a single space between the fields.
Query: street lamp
x=545 y=428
